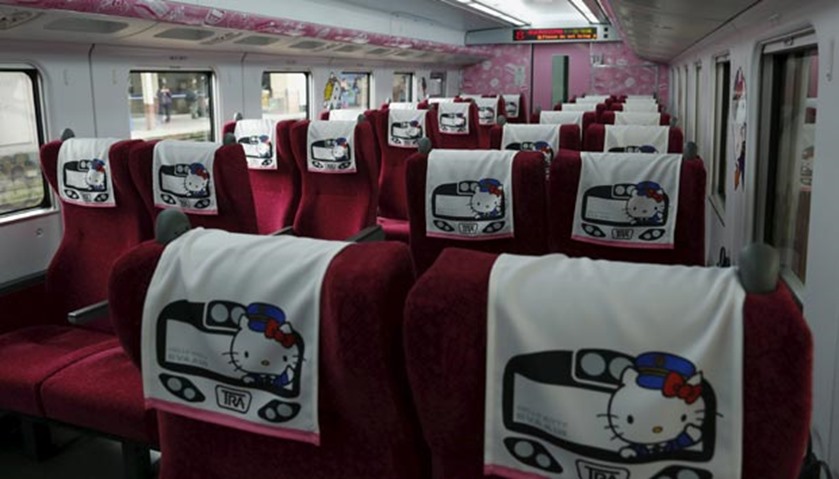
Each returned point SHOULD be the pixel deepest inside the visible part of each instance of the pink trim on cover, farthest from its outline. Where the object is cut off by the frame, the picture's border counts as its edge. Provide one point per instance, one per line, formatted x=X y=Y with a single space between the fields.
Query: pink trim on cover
x=622 y=244
x=184 y=14
x=469 y=238
x=332 y=172
x=89 y=205
x=222 y=420
x=502 y=471
x=190 y=211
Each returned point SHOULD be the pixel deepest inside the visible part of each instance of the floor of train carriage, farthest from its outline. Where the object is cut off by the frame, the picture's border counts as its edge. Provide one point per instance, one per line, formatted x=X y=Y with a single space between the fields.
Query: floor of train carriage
x=78 y=456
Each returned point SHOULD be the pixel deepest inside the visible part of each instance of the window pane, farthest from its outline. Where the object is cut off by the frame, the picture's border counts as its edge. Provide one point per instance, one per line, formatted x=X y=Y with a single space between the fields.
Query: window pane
x=21 y=183
x=171 y=105
x=355 y=90
x=402 y=90
x=285 y=96
x=792 y=158
x=722 y=108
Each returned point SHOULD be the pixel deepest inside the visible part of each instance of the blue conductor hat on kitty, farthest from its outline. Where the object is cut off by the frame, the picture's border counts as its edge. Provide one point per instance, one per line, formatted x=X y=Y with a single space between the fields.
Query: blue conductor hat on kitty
x=490 y=185
x=647 y=149
x=271 y=321
x=199 y=170
x=650 y=189
x=263 y=138
x=98 y=165
x=654 y=368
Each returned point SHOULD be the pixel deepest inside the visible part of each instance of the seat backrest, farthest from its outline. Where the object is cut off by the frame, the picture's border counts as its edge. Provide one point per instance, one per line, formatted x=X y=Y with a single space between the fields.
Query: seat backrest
x=336 y=206
x=484 y=138
x=595 y=138
x=689 y=240
x=608 y=118
x=236 y=211
x=620 y=107
x=93 y=238
x=276 y=193
x=523 y=113
x=529 y=215
x=470 y=141
x=368 y=425
x=569 y=137
x=393 y=196
x=445 y=346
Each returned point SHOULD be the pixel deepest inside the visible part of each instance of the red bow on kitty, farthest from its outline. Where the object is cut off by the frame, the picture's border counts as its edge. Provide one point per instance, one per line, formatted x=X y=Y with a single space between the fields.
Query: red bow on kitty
x=273 y=331
x=676 y=386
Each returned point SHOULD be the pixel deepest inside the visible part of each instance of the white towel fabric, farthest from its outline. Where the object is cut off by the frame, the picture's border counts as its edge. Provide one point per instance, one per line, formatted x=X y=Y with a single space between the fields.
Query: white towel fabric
x=405 y=127
x=402 y=105
x=258 y=138
x=432 y=101
x=562 y=118
x=182 y=176
x=453 y=118
x=469 y=96
x=469 y=194
x=627 y=200
x=487 y=110
x=330 y=147
x=512 y=104
x=637 y=139
x=84 y=172
x=593 y=98
x=639 y=97
x=641 y=107
x=230 y=331
x=584 y=107
x=601 y=369
x=345 y=115
x=637 y=118
x=541 y=138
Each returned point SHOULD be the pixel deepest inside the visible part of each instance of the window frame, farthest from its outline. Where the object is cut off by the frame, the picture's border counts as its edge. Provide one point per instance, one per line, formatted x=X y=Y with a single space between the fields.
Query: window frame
x=308 y=75
x=720 y=136
x=47 y=204
x=411 y=80
x=212 y=88
x=697 y=119
x=370 y=86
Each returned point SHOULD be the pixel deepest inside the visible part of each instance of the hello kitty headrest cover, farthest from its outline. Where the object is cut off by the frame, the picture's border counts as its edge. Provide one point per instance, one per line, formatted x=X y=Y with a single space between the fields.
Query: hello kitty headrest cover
x=230 y=331
x=330 y=147
x=623 y=380
x=182 y=176
x=627 y=200
x=84 y=172
x=469 y=194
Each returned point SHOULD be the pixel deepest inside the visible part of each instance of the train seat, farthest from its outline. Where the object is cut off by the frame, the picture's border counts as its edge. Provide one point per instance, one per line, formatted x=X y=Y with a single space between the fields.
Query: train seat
x=368 y=427
x=457 y=141
x=529 y=211
x=515 y=100
x=236 y=211
x=689 y=239
x=608 y=118
x=569 y=137
x=276 y=192
x=446 y=354
x=336 y=206
x=595 y=138
x=639 y=106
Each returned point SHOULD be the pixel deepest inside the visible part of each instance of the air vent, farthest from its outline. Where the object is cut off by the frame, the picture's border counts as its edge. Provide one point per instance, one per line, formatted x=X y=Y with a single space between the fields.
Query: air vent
x=424 y=55
x=224 y=37
x=379 y=51
x=188 y=34
x=307 y=45
x=404 y=54
x=12 y=18
x=85 y=25
x=347 y=49
x=257 y=41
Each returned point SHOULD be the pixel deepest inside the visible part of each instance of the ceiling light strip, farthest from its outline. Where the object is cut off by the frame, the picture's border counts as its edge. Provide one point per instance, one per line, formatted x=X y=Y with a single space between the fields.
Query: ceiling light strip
x=476 y=6
x=583 y=8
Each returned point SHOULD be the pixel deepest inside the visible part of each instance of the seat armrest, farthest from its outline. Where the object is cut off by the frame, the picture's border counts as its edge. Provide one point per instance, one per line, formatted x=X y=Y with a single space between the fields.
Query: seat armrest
x=367 y=235
x=25 y=282
x=286 y=231
x=88 y=313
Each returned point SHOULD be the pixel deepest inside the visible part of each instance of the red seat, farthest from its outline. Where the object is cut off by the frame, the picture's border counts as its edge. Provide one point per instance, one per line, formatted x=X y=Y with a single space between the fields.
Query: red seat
x=569 y=137
x=608 y=118
x=336 y=206
x=276 y=193
x=236 y=211
x=484 y=136
x=529 y=215
x=598 y=110
x=689 y=247
x=367 y=422
x=470 y=141
x=523 y=115
x=445 y=346
x=596 y=136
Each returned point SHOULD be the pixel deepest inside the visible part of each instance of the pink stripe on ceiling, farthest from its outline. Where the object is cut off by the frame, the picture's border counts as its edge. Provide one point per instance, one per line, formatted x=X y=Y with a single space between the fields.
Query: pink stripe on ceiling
x=194 y=15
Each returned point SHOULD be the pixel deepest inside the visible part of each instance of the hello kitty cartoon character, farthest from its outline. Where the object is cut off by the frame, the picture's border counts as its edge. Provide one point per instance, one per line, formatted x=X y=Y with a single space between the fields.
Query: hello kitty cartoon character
x=487 y=198
x=659 y=407
x=196 y=180
x=341 y=149
x=646 y=205
x=95 y=177
x=267 y=349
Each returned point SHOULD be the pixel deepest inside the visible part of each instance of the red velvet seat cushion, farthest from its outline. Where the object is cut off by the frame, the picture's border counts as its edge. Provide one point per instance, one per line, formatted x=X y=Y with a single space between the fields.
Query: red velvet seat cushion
x=569 y=137
x=445 y=347
x=102 y=392
x=596 y=137
x=690 y=219
x=529 y=205
x=31 y=355
x=395 y=230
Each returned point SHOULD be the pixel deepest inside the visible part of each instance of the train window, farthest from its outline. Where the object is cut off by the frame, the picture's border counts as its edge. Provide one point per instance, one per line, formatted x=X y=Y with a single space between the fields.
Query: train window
x=403 y=87
x=722 y=106
x=22 y=185
x=787 y=139
x=685 y=101
x=171 y=105
x=697 y=105
x=285 y=96
x=355 y=90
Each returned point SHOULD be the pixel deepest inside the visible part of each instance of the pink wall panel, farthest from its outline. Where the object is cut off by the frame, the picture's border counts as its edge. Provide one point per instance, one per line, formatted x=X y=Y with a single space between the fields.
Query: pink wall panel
x=507 y=71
